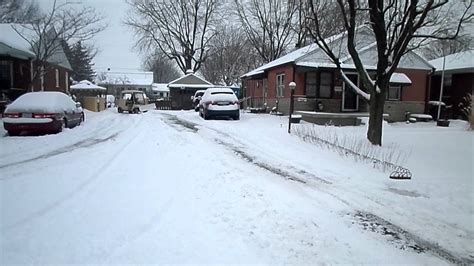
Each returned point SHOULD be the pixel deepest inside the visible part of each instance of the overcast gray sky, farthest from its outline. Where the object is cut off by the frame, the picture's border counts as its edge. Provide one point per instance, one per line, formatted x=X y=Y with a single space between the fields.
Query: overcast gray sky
x=115 y=43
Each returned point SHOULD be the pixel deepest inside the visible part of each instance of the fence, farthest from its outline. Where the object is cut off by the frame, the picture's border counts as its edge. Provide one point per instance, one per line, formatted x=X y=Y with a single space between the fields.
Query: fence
x=163 y=105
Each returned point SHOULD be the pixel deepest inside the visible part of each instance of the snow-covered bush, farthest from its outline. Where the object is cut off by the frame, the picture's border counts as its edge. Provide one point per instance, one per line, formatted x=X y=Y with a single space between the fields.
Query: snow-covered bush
x=387 y=158
x=465 y=107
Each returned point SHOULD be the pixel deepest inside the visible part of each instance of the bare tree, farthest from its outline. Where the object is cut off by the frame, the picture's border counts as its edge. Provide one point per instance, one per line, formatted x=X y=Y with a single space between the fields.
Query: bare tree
x=230 y=55
x=398 y=27
x=331 y=21
x=268 y=25
x=180 y=29
x=18 y=11
x=64 y=22
x=163 y=68
x=440 y=48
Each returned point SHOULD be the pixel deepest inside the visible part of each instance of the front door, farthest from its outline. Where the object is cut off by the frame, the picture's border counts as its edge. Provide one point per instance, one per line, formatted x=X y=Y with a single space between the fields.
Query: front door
x=350 y=99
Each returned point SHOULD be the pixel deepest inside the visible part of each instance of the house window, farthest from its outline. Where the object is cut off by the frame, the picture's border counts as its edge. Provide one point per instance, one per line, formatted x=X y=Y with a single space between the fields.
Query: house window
x=394 y=93
x=280 y=85
x=311 y=84
x=325 y=84
x=57 y=77
x=4 y=70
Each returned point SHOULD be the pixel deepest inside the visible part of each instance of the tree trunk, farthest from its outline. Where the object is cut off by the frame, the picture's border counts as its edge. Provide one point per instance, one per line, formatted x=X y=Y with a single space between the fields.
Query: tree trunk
x=374 y=133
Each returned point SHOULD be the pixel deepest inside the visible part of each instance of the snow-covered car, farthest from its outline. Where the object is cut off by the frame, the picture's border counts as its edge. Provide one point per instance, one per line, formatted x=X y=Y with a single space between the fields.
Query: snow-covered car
x=110 y=101
x=46 y=111
x=197 y=98
x=219 y=102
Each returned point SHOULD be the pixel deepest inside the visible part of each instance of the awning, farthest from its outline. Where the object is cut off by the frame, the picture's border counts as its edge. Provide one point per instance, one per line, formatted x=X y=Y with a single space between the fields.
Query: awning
x=400 y=78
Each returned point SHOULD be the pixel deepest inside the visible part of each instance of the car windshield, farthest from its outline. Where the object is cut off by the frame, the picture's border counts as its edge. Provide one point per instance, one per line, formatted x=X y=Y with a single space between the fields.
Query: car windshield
x=139 y=98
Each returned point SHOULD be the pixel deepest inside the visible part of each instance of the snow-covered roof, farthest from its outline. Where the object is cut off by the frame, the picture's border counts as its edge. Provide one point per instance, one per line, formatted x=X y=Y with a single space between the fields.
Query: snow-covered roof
x=161 y=87
x=458 y=62
x=144 y=78
x=11 y=43
x=313 y=56
x=86 y=85
x=190 y=80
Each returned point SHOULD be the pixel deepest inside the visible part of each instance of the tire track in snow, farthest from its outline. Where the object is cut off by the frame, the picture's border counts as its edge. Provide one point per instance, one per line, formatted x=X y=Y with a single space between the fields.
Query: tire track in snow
x=83 y=185
x=404 y=239
x=70 y=148
x=401 y=238
x=246 y=156
x=85 y=141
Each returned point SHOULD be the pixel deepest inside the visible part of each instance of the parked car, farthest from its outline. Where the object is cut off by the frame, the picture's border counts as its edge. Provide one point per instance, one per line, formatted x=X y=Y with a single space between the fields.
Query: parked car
x=132 y=101
x=219 y=102
x=197 y=98
x=46 y=111
x=110 y=101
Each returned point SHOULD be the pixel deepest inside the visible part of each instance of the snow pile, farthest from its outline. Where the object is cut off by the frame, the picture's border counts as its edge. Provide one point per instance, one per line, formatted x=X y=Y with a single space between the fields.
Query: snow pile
x=44 y=102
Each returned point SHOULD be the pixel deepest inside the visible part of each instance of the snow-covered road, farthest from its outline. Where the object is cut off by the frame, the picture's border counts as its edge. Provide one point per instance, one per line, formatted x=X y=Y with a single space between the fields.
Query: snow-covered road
x=164 y=187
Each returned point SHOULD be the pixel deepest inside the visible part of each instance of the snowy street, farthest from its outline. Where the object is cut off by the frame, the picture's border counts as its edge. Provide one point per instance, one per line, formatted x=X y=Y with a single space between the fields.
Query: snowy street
x=170 y=187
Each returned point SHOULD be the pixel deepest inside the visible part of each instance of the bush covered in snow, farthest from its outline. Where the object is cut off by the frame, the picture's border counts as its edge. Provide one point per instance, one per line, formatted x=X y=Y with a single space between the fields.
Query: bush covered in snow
x=386 y=158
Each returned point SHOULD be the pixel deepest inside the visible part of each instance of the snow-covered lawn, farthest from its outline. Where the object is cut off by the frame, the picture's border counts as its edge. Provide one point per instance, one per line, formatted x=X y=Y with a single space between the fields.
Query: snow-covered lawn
x=169 y=187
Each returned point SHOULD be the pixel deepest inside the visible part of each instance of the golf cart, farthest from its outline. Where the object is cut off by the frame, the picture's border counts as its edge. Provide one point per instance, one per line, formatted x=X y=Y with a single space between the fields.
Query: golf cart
x=132 y=101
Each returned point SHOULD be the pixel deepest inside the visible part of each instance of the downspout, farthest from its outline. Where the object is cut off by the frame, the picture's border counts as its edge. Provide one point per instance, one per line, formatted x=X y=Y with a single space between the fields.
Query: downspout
x=428 y=90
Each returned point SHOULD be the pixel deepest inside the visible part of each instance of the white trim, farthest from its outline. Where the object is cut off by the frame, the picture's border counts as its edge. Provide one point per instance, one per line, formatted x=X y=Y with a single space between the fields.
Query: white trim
x=344 y=90
x=66 y=79
x=399 y=87
x=280 y=87
x=56 y=74
x=170 y=84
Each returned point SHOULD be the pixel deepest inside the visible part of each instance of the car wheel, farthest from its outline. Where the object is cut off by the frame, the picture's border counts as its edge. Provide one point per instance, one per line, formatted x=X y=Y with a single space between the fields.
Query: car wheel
x=136 y=111
x=14 y=133
x=237 y=117
x=206 y=116
x=120 y=110
x=63 y=125
x=83 y=117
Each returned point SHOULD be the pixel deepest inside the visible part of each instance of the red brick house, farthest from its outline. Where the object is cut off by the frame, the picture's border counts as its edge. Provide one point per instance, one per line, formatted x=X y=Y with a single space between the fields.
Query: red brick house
x=319 y=86
x=458 y=83
x=17 y=62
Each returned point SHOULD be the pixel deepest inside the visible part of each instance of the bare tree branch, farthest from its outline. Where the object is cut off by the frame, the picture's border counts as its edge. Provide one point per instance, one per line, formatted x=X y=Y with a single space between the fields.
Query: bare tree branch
x=180 y=29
